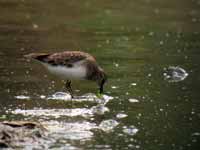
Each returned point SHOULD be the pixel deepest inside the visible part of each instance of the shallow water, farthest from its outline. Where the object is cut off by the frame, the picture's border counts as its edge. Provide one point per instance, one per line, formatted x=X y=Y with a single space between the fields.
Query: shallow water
x=134 y=41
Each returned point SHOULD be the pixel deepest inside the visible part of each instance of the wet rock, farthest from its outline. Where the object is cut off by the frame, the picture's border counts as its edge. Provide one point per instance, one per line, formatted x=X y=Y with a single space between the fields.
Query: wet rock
x=17 y=133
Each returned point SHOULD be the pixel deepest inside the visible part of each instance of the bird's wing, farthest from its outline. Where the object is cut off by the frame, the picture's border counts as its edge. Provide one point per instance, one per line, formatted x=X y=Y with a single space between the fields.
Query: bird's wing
x=66 y=58
x=62 y=58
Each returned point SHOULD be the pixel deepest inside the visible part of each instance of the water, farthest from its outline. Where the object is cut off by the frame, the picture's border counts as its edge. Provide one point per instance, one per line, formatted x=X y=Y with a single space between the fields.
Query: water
x=134 y=41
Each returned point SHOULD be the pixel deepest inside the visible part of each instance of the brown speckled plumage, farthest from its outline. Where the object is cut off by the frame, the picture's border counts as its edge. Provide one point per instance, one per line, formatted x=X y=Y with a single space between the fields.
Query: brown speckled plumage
x=69 y=58
x=62 y=58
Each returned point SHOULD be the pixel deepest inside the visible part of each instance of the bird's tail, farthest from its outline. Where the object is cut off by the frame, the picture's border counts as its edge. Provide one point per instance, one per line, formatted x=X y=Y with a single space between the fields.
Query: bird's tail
x=37 y=56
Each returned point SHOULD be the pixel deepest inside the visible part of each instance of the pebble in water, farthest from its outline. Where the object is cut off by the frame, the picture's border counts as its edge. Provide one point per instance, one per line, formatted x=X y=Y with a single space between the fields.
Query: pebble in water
x=174 y=74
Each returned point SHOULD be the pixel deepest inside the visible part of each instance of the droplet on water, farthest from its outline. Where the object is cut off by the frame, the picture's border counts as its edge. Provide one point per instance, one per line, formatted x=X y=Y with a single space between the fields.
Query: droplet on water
x=121 y=115
x=42 y=96
x=151 y=33
x=133 y=84
x=133 y=100
x=35 y=26
x=22 y=97
x=114 y=87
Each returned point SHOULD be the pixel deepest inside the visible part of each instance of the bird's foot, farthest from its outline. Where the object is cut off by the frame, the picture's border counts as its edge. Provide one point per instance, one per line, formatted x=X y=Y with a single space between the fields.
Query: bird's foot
x=100 y=95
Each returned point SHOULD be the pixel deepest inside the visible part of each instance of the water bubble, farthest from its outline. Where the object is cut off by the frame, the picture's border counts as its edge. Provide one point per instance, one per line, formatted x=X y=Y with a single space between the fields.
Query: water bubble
x=151 y=33
x=35 y=26
x=174 y=74
x=149 y=75
x=161 y=42
x=133 y=84
x=196 y=134
x=167 y=34
x=121 y=115
x=133 y=100
x=42 y=96
x=116 y=64
x=161 y=109
x=22 y=97
x=114 y=87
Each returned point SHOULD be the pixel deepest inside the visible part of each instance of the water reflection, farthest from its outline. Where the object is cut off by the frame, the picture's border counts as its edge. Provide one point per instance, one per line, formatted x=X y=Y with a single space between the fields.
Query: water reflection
x=99 y=109
x=82 y=129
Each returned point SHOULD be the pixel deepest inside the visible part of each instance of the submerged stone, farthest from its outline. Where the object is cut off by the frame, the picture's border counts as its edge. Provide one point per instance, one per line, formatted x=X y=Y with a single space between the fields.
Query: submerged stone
x=18 y=133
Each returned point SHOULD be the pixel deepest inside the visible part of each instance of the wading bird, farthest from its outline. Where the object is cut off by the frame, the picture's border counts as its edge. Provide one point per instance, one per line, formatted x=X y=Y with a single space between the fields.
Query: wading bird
x=72 y=65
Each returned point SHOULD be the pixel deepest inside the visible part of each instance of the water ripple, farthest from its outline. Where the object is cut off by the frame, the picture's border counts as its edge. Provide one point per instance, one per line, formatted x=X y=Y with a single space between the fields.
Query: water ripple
x=174 y=74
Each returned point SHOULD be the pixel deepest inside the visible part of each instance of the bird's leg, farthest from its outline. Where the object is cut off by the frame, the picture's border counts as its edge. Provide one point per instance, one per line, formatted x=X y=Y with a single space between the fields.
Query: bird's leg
x=68 y=86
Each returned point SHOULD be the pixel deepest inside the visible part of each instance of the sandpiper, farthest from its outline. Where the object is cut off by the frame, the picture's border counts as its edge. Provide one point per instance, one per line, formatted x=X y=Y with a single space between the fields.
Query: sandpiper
x=72 y=65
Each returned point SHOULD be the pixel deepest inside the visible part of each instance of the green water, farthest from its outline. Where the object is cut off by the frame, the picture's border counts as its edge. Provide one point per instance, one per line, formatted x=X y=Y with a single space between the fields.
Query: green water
x=133 y=40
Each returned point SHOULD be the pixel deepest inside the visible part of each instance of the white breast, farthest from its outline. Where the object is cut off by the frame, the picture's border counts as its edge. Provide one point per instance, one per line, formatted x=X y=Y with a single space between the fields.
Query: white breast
x=78 y=71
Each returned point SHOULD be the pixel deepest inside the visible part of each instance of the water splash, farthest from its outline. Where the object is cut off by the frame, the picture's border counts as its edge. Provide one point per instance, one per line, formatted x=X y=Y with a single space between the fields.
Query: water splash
x=81 y=128
x=175 y=74
x=60 y=96
x=121 y=115
x=89 y=97
x=99 y=109
x=108 y=125
x=70 y=130
x=55 y=113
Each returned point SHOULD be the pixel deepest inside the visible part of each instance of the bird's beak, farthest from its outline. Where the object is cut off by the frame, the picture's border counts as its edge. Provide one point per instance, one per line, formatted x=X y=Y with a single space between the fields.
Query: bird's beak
x=101 y=89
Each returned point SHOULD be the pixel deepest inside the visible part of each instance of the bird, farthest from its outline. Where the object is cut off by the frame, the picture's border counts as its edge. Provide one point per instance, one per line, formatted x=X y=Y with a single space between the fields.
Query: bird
x=70 y=65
